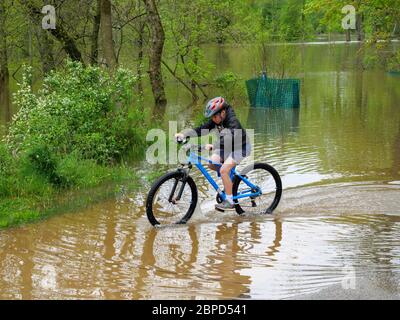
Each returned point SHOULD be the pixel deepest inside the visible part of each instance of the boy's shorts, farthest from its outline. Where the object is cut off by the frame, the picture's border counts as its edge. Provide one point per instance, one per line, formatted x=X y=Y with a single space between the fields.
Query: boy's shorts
x=236 y=155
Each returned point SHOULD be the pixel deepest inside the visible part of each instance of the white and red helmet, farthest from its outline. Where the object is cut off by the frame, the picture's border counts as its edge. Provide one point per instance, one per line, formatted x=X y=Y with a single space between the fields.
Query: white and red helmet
x=214 y=106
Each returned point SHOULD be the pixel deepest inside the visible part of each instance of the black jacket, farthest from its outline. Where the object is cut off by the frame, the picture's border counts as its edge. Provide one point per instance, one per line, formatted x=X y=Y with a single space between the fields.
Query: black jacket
x=230 y=132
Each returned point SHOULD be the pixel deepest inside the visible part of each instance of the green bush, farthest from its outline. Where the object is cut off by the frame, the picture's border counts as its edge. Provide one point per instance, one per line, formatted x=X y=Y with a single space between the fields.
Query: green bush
x=5 y=171
x=72 y=133
x=79 y=109
x=394 y=62
x=83 y=173
x=44 y=163
x=230 y=85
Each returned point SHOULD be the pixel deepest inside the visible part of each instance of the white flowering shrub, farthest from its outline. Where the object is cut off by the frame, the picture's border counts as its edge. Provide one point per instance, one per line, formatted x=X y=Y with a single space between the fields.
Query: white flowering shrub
x=80 y=110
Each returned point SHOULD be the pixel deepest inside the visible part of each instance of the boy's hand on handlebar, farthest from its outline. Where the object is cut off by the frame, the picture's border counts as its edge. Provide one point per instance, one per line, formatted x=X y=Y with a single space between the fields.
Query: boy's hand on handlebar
x=179 y=137
x=209 y=147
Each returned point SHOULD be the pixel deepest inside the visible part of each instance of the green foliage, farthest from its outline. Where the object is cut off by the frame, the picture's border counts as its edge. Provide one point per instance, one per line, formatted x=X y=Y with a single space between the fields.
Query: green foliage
x=292 y=25
x=5 y=172
x=377 y=15
x=230 y=85
x=394 y=62
x=44 y=163
x=69 y=135
x=378 y=52
x=200 y=119
x=80 y=109
x=30 y=183
x=328 y=12
x=16 y=211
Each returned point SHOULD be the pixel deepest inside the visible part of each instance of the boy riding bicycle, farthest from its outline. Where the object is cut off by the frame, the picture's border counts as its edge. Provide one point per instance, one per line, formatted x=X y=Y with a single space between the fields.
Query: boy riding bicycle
x=232 y=147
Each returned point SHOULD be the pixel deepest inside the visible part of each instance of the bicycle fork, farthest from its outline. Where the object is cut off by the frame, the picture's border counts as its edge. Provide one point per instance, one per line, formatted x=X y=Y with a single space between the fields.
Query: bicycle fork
x=171 y=197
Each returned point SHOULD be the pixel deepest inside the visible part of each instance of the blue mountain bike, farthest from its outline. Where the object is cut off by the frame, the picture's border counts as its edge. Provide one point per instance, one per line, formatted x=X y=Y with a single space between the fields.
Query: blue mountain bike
x=173 y=197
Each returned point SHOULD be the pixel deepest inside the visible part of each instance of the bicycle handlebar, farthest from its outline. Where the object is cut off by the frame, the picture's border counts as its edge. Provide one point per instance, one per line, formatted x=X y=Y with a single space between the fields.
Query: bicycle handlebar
x=182 y=141
x=194 y=147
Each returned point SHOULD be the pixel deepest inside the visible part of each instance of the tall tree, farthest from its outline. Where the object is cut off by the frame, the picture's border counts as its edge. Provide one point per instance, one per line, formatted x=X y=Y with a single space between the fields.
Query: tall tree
x=140 y=42
x=94 y=50
x=4 y=73
x=107 y=35
x=157 y=39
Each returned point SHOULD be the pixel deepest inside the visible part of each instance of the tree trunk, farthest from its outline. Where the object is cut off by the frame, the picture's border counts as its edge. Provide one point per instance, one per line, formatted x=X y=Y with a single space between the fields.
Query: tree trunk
x=140 y=42
x=46 y=45
x=107 y=36
x=69 y=43
x=157 y=39
x=4 y=73
x=59 y=32
x=348 y=37
x=359 y=19
x=94 y=52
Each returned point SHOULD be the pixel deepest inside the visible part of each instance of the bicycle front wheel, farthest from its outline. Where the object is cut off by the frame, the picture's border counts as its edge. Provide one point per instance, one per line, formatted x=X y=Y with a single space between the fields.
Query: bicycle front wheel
x=171 y=200
x=268 y=180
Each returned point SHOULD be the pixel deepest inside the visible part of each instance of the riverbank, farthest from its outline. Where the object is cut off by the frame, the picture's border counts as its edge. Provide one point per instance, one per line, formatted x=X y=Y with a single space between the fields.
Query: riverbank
x=29 y=208
x=72 y=135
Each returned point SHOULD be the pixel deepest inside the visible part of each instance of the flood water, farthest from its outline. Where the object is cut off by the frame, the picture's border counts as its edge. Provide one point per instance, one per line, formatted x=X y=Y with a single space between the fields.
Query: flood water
x=339 y=158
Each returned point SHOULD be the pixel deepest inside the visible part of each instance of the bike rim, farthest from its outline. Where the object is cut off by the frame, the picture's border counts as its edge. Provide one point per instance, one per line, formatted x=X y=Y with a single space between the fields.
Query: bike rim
x=166 y=212
x=260 y=204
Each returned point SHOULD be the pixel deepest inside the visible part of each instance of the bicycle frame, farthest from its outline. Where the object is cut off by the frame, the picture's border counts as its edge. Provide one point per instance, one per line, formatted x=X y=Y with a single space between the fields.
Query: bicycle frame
x=196 y=159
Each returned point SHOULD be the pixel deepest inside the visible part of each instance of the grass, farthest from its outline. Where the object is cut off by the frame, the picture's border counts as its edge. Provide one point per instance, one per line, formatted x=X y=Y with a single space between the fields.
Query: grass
x=29 y=193
x=15 y=211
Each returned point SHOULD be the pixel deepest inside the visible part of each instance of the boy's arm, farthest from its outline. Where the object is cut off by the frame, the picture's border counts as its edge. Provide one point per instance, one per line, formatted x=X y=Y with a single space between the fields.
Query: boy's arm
x=196 y=132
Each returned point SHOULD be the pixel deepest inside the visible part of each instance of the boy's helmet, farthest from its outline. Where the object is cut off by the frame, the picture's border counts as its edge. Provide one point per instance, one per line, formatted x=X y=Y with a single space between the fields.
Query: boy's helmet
x=214 y=106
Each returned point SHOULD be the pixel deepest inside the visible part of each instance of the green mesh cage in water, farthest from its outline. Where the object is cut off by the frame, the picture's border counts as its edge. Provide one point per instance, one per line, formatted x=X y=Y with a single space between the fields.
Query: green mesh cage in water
x=266 y=92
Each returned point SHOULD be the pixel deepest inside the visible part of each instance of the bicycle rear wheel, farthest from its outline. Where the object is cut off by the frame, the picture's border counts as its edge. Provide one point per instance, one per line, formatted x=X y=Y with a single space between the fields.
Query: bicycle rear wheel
x=171 y=200
x=268 y=180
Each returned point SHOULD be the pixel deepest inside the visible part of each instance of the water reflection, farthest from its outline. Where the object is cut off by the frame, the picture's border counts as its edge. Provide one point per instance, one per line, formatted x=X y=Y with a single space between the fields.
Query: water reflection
x=274 y=122
x=106 y=261
x=111 y=252
x=396 y=157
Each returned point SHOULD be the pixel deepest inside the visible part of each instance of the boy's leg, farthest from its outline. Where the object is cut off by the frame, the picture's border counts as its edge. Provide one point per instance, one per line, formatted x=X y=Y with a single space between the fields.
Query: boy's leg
x=232 y=161
x=225 y=175
x=226 y=168
x=215 y=157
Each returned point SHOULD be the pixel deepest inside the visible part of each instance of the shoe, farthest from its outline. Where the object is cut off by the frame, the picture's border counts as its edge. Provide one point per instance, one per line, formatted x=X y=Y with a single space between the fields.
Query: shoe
x=225 y=206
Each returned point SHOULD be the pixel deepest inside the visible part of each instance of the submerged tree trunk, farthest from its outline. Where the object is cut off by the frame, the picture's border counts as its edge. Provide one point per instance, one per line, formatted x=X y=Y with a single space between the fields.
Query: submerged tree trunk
x=107 y=36
x=94 y=51
x=157 y=39
x=4 y=73
x=348 y=37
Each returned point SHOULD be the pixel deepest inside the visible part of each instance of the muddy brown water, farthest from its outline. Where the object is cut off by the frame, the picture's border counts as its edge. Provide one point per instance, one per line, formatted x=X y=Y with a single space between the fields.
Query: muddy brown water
x=339 y=158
